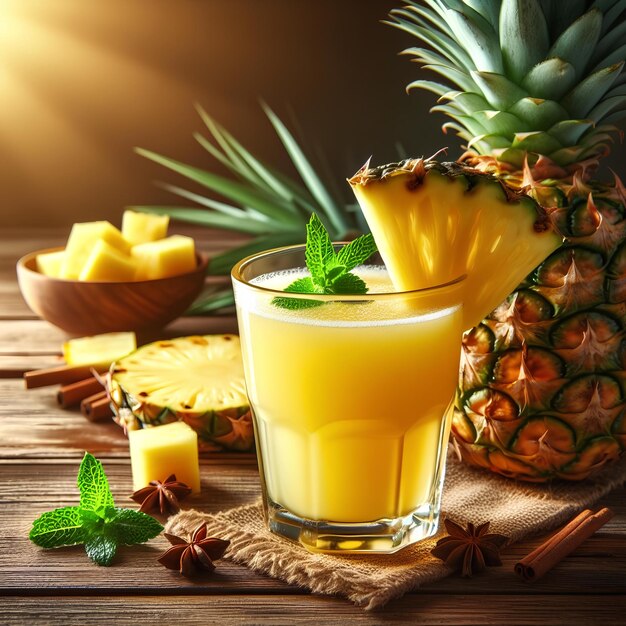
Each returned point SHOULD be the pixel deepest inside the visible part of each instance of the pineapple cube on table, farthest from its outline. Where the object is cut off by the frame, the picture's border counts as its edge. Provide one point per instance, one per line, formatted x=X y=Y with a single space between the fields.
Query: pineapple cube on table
x=50 y=263
x=156 y=453
x=166 y=257
x=81 y=242
x=143 y=227
x=107 y=263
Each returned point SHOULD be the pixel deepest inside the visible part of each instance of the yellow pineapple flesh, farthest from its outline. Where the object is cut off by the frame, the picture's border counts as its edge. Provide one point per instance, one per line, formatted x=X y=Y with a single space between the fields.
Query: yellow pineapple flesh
x=50 y=263
x=106 y=263
x=434 y=222
x=166 y=257
x=99 y=350
x=197 y=379
x=140 y=227
x=83 y=237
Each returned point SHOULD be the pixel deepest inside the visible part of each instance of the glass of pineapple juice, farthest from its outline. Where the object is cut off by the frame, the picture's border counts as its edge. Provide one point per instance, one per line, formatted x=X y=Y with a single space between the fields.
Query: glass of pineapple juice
x=351 y=402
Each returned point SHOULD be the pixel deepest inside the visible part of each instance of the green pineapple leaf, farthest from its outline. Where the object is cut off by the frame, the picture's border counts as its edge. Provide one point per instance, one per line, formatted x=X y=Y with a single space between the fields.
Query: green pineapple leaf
x=318 y=190
x=210 y=219
x=223 y=263
x=262 y=202
x=245 y=195
x=213 y=302
x=256 y=171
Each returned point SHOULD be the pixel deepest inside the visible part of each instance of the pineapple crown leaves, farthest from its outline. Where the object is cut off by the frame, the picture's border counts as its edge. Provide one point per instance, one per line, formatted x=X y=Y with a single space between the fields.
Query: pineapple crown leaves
x=95 y=522
x=258 y=200
x=524 y=76
x=330 y=271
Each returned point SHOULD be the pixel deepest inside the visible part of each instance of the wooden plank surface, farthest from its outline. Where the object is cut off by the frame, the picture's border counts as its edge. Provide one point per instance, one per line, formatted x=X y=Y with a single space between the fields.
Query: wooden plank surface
x=41 y=447
x=281 y=610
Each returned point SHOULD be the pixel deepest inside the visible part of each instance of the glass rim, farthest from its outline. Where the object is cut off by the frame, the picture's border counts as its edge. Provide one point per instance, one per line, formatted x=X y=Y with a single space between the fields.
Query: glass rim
x=240 y=266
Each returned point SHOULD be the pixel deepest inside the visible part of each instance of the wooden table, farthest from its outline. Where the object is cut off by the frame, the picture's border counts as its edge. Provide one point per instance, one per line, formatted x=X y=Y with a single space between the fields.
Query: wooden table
x=40 y=450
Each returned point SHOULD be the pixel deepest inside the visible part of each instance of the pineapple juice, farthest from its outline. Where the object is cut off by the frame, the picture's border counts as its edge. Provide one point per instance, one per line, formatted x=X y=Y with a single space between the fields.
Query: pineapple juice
x=350 y=400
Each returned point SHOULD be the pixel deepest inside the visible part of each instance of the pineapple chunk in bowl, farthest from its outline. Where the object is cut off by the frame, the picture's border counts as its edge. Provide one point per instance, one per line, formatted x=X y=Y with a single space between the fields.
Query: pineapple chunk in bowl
x=89 y=307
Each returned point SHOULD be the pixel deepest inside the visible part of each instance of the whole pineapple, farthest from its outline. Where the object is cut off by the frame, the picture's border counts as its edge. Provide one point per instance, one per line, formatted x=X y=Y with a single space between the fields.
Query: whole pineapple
x=535 y=87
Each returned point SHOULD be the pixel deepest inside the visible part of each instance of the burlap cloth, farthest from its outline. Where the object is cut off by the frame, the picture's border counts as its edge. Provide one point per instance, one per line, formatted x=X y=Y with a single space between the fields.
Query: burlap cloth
x=514 y=509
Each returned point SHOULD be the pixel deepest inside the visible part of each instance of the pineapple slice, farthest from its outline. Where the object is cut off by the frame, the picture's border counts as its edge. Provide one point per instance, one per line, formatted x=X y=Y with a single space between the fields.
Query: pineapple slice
x=82 y=239
x=50 y=263
x=99 y=350
x=107 y=263
x=166 y=257
x=143 y=227
x=436 y=221
x=198 y=380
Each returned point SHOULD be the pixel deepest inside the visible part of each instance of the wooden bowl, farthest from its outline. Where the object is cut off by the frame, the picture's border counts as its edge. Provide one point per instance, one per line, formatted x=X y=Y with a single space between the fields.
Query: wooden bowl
x=93 y=307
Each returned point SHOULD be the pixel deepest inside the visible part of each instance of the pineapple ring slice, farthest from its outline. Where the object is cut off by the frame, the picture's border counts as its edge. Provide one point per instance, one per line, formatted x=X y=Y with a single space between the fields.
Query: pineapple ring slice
x=197 y=379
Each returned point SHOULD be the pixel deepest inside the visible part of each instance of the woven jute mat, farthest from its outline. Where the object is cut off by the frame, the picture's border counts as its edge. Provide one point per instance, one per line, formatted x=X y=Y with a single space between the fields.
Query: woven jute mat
x=514 y=509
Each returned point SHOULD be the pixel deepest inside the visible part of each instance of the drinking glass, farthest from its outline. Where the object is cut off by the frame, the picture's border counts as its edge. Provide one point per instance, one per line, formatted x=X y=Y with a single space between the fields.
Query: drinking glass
x=351 y=398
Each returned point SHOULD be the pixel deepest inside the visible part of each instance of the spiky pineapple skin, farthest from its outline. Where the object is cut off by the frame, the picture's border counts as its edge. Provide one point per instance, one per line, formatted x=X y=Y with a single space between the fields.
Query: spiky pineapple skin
x=542 y=381
x=195 y=379
x=536 y=88
x=228 y=428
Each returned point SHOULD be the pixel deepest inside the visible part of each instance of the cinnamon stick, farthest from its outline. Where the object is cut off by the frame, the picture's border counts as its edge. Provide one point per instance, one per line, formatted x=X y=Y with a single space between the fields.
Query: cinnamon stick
x=97 y=407
x=60 y=375
x=562 y=543
x=72 y=394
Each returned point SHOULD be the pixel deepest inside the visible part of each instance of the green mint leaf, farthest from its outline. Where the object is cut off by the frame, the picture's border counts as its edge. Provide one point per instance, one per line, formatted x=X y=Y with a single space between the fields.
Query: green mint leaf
x=96 y=522
x=335 y=272
x=101 y=549
x=302 y=285
x=90 y=519
x=127 y=527
x=319 y=248
x=95 y=494
x=60 y=527
x=294 y=304
x=357 y=252
x=349 y=284
x=330 y=271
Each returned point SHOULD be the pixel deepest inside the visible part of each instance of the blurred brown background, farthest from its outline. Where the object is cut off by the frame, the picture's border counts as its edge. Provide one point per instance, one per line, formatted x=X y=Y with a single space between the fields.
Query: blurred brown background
x=84 y=81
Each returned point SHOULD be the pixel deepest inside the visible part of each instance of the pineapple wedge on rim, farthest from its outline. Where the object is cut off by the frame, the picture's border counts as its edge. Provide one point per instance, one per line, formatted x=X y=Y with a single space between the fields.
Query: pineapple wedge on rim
x=197 y=379
x=436 y=221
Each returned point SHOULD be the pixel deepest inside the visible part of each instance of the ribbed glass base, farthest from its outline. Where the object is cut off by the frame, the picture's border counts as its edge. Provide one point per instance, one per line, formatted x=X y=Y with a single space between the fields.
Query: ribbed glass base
x=383 y=536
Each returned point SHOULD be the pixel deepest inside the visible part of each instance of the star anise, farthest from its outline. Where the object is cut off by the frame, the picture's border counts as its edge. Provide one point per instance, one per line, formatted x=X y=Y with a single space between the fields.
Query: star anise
x=163 y=496
x=193 y=557
x=469 y=550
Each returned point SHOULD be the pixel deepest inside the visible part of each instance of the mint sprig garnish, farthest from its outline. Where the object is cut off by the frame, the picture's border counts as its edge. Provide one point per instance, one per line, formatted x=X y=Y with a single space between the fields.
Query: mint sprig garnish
x=330 y=270
x=96 y=521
